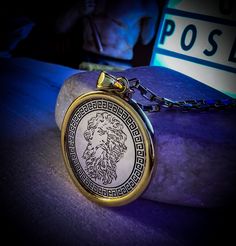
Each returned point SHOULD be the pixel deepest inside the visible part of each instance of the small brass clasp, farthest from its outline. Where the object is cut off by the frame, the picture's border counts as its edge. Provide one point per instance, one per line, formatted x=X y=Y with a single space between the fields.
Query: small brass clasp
x=120 y=86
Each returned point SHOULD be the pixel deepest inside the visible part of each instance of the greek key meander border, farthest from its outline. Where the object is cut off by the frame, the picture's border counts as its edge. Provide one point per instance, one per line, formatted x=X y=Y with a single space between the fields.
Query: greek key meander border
x=137 y=172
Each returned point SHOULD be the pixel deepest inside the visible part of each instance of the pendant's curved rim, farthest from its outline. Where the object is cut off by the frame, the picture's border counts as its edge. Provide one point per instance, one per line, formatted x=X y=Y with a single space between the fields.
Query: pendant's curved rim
x=149 y=149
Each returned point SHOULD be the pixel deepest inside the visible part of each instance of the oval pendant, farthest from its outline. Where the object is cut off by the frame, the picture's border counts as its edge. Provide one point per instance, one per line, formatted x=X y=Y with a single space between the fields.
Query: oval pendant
x=108 y=148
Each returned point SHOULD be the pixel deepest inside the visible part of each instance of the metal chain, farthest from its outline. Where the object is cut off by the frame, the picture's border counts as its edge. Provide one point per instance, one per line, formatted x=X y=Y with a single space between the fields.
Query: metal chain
x=186 y=106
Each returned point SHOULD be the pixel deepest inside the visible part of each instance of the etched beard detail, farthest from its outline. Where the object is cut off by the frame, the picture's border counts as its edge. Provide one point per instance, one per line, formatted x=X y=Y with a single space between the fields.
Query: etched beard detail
x=106 y=146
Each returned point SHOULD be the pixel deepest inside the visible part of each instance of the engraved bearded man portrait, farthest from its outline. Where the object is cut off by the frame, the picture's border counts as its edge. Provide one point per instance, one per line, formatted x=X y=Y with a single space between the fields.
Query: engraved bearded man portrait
x=106 y=146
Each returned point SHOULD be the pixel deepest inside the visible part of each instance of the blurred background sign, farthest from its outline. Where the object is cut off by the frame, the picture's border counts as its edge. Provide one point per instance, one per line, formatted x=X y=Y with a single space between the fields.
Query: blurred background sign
x=198 y=39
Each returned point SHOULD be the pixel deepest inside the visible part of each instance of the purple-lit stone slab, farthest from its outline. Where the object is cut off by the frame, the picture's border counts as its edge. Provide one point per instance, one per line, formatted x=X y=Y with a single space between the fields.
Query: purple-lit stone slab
x=195 y=152
x=39 y=202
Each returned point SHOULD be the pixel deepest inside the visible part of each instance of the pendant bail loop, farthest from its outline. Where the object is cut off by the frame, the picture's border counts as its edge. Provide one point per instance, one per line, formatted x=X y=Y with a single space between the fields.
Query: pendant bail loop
x=120 y=86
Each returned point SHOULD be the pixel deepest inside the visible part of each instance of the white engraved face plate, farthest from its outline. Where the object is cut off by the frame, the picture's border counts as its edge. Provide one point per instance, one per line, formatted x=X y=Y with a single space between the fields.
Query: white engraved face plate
x=105 y=148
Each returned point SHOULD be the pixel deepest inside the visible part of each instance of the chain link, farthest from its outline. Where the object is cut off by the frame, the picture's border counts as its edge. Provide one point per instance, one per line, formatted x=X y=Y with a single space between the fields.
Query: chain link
x=186 y=106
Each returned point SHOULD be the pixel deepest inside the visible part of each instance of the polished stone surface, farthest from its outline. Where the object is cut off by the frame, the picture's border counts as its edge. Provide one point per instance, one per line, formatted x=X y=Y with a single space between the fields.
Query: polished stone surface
x=39 y=203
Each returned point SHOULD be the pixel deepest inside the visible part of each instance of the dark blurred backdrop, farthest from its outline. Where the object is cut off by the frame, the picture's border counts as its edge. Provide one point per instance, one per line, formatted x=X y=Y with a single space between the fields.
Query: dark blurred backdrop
x=62 y=32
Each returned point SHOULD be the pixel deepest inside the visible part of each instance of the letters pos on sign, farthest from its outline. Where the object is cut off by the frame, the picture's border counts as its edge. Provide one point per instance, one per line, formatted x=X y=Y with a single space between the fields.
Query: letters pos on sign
x=198 y=39
x=107 y=144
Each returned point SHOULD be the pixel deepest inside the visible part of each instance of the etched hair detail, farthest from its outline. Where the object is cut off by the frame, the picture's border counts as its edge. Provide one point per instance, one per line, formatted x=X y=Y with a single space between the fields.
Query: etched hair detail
x=106 y=146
